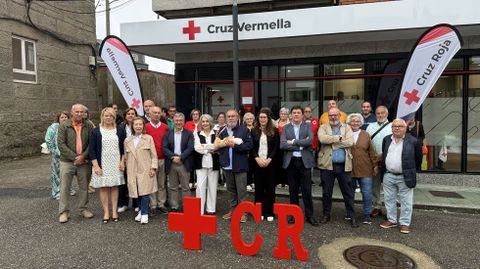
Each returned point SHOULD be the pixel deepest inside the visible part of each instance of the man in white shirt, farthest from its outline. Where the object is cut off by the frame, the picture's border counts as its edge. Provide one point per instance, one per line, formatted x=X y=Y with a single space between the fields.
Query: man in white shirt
x=378 y=130
x=402 y=159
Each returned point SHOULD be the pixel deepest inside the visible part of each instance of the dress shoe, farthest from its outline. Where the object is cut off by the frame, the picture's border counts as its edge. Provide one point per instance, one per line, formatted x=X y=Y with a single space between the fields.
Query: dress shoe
x=404 y=229
x=144 y=219
x=63 y=217
x=376 y=212
x=163 y=210
x=325 y=219
x=353 y=223
x=387 y=225
x=227 y=216
x=138 y=217
x=291 y=220
x=312 y=221
x=87 y=214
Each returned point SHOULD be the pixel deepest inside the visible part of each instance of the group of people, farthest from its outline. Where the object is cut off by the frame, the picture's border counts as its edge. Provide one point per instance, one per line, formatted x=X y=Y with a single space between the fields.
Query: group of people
x=153 y=158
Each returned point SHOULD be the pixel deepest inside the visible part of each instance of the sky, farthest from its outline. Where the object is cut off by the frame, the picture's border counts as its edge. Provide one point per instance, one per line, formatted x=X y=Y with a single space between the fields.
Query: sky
x=130 y=11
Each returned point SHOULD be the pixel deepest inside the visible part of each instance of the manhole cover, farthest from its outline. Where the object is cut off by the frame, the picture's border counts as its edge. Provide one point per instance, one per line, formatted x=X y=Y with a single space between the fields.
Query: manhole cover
x=371 y=257
x=446 y=194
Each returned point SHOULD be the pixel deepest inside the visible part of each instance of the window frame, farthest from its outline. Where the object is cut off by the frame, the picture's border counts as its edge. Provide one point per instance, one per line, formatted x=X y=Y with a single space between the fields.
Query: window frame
x=24 y=60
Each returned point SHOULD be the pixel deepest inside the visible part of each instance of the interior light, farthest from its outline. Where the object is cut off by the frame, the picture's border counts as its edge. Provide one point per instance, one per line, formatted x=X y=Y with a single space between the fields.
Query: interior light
x=352 y=69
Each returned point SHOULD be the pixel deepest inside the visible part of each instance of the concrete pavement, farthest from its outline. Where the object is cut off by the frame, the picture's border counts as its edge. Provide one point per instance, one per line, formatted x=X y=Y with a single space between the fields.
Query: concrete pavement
x=31 y=237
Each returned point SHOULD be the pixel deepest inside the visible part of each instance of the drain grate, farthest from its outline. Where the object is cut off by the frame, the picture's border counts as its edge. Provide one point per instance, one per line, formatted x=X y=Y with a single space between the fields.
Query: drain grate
x=447 y=194
x=372 y=257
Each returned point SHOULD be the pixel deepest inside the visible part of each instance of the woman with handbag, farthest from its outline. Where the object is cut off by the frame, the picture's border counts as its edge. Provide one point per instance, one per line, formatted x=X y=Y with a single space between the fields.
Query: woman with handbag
x=51 y=141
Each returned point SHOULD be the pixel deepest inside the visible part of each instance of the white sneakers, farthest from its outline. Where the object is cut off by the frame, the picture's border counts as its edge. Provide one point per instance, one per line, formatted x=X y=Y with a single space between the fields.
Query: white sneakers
x=122 y=209
x=143 y=219
x=138 y=217
x=270 y=218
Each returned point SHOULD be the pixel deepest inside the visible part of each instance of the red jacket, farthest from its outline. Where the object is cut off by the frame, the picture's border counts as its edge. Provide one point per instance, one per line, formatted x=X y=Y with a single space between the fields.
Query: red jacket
x=189 y=125
x=315 y=124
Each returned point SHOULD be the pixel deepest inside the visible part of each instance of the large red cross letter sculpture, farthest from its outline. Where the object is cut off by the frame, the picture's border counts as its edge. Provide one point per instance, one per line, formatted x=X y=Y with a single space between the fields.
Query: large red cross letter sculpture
x=192 y=223
x=281 y=251
x=237 y=241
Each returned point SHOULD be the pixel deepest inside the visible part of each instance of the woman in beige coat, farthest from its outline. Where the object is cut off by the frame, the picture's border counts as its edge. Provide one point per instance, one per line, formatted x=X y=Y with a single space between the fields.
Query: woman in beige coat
x=141 y=158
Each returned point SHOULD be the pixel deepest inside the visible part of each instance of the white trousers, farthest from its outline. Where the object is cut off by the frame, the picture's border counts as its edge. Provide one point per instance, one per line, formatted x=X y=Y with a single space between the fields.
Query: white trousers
x=207 y=181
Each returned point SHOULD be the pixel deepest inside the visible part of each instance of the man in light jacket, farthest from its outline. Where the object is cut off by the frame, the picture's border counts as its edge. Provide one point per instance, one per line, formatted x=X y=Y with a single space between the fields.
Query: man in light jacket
x=335 y=161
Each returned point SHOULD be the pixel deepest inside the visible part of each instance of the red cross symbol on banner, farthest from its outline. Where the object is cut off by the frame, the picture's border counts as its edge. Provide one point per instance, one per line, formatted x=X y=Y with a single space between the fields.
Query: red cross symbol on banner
x=411 y=97
x=192 y=224
x=220 y=99
x=135 y=103
x=191 y=30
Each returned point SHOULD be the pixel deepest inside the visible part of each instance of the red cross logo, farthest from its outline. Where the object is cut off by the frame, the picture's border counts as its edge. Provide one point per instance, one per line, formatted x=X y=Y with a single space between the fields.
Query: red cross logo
x=135 y=103
x=192 y=224
x=411 y=97
x=220 y=99
x=191 y=30
x=444 y=154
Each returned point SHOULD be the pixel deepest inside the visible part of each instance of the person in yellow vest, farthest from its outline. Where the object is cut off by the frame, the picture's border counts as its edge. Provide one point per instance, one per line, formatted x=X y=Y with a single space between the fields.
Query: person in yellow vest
x=324 y=117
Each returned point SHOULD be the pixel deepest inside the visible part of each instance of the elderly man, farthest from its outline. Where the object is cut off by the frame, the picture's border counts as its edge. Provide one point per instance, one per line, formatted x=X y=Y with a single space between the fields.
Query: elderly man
x=335 y=161
x=368 y=116
x=178 y=150
x=378 y=130
x=73 y=145
x=234 y=160
x=401 y=160
x=158 y=130
x=298 y=160
x=324 y=119
x=146 y=108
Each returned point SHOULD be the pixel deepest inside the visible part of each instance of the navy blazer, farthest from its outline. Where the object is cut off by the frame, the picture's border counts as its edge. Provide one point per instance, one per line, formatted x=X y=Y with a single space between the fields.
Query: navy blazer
x=186 y=145
x=239 y=152
x=95 y=147
x=304 y=141
x=411 y=158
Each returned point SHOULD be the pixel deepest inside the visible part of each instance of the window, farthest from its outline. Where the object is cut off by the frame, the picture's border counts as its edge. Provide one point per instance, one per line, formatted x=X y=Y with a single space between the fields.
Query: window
x=349 y=93
x=24 y=60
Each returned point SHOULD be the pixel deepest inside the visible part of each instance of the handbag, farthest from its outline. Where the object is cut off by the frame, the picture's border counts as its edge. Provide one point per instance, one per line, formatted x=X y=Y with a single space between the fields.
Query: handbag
x=44 y=149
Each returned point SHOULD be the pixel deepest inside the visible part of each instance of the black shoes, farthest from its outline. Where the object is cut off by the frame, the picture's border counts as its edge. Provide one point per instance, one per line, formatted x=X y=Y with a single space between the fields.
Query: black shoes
x=325 y=219
x=312 y=221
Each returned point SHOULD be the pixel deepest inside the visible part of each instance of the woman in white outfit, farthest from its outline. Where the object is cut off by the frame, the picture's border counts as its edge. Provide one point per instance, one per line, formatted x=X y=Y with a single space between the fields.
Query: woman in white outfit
x=206 y=165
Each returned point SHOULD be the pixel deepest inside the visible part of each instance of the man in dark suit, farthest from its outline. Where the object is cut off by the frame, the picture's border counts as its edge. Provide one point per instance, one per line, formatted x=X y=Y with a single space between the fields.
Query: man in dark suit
x=298 y=160
x=234 y=160
x=178 y=151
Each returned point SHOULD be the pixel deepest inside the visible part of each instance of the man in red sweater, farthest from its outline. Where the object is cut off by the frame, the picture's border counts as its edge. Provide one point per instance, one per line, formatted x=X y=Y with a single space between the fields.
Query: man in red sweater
x=157 y=130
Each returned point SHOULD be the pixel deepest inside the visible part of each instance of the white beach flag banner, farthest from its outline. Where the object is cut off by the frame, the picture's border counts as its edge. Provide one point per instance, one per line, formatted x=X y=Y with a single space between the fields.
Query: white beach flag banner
x=432 y=53
x=121 y=65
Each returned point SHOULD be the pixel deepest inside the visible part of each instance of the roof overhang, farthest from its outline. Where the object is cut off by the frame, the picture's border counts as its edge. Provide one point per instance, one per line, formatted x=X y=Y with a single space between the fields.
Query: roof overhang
x=391 y=20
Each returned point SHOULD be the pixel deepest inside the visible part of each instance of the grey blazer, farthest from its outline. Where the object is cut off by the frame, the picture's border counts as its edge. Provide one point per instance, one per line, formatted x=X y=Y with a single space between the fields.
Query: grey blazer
x=305 y=141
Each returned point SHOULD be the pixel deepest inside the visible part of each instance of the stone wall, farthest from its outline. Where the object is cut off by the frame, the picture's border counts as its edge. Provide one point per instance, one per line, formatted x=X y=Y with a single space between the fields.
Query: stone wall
x=63 y=73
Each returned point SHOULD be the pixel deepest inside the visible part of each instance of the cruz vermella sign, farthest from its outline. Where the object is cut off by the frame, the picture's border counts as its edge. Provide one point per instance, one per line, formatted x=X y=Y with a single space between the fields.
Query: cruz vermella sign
x=120 y=63
x=192 y=224
x=431 y=55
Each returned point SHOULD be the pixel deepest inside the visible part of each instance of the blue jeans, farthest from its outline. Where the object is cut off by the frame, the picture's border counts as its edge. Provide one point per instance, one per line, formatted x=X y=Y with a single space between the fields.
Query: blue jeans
x=393 y=184
x=143 y=203
x=366 y=185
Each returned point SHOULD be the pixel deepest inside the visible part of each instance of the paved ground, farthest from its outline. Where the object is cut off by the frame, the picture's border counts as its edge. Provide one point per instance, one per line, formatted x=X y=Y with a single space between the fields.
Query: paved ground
x=31 y=237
